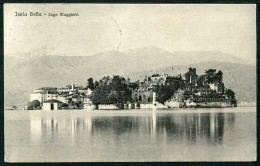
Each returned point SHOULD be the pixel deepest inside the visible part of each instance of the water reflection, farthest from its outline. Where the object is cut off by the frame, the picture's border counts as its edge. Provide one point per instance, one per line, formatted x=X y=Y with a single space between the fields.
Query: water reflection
x=208 y=127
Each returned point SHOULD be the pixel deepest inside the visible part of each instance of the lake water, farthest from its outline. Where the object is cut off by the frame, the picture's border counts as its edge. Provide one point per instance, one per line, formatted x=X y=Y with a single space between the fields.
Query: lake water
x=227 y=134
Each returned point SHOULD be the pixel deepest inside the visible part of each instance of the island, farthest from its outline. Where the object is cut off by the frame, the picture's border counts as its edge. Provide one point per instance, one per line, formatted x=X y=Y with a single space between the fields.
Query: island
x=160 y=91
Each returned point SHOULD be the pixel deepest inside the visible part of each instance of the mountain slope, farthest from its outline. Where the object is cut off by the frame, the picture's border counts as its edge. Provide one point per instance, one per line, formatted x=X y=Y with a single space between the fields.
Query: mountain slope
x=23 y=74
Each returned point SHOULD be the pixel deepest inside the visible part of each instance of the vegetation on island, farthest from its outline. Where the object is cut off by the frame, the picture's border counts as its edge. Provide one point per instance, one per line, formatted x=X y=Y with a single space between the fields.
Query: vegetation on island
x=187 y=89
x=91 y=84
x=35 y=104
x=165 y=91
x=111 y=91
x=192 y=88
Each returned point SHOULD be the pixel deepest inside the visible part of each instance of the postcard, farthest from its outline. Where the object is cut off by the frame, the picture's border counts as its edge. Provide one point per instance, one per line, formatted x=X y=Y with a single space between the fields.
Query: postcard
x=129 y=82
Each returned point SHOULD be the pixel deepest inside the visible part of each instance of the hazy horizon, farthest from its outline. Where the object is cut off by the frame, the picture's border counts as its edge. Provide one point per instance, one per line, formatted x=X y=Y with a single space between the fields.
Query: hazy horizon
x=123 y=51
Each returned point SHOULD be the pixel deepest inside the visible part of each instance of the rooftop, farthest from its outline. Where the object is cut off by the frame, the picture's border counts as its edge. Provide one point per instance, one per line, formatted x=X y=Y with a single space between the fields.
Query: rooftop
x=52 y=101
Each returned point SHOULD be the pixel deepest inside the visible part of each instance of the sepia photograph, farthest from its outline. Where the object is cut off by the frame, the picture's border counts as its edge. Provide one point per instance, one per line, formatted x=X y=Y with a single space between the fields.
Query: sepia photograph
x=129 y=82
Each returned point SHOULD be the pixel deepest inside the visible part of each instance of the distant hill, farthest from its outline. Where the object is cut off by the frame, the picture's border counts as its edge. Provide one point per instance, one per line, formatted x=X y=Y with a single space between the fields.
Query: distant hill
x=25 y=73
x=164 y=58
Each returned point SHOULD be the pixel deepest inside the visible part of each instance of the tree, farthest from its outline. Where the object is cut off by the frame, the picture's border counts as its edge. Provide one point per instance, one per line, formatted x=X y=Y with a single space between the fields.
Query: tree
x=219 y=76
x=232 y=97
x=34 y=104
x=164 y=93
x=179 y=95
x=64 y=105
x=201 y=80
x=230 y=94
x=133 y=86
x=78 y=104
x=212 y=76
x=96 y=84
x=90 y=85
x=111 y=91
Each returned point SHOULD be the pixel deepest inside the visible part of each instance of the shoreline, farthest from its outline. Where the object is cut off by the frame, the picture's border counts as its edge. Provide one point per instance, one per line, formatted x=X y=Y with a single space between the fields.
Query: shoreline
x=125 y=111
x=86 y=109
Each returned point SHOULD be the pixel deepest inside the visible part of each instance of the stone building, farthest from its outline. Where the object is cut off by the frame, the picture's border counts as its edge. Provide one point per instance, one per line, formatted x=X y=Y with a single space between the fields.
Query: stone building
x=51 y=104
x=44 y=94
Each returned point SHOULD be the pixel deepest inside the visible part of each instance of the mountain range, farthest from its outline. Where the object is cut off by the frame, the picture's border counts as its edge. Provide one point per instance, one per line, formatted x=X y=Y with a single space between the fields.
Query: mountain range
x=24 y=73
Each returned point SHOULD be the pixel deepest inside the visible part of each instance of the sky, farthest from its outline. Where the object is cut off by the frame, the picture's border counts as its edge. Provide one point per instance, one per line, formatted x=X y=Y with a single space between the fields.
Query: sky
x=226 y=28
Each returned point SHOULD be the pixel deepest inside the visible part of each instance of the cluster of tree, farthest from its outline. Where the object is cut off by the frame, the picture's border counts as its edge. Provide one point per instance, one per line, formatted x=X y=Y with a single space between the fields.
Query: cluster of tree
x=230 y=94
x=111 y=91
x=166 y=91
x=74 y=104
x=118 y=90
x=174 y=84
x=210 y=76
